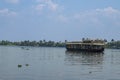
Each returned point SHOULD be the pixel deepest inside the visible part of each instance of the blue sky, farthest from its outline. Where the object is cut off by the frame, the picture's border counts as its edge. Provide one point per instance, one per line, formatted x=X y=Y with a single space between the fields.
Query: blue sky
x=59 y=20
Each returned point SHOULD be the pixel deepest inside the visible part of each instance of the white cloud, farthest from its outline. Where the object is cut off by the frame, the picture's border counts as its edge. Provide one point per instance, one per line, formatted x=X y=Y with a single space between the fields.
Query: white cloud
x=40 y=7
x=108 y=10
x=62 y=18
x=46 y=4
x=98 y=15
x=42 y=0
x=12 y=1
x=105 y=12
x=7 y=12
x=51 y=5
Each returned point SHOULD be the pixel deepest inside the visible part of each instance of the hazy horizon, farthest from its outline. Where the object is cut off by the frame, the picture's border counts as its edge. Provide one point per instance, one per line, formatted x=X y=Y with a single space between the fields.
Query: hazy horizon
x=59 y=20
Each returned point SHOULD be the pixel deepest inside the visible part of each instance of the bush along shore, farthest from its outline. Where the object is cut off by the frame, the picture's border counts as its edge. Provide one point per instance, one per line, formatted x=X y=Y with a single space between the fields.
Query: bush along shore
x=43 y=43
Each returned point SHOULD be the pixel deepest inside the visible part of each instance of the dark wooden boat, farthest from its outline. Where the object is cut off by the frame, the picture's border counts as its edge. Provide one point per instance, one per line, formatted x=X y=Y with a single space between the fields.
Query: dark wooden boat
x=86 y=45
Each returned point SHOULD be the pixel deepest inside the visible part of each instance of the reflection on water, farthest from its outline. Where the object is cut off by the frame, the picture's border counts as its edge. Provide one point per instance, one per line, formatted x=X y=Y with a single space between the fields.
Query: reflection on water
x=88 y=64
x=84 y=58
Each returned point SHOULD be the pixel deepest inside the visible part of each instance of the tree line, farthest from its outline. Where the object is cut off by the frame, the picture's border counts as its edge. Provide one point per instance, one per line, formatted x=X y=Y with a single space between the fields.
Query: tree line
x=42 y=43
x=113 y=44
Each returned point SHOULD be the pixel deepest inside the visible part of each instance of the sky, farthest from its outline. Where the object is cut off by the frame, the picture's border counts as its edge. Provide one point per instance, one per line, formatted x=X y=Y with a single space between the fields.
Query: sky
x=59 y=20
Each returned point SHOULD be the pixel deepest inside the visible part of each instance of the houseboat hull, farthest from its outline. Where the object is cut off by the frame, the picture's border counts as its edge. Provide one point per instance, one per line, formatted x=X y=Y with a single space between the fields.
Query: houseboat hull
x=86 y=50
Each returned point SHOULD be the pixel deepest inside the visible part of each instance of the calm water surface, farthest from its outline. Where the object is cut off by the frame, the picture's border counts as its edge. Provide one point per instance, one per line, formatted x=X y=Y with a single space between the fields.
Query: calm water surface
x=44 y=63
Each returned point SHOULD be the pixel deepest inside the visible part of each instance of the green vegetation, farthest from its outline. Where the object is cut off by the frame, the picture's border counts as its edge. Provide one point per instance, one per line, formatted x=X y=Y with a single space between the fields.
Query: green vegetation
x=19 y=66
x=42 y=43
x=113 y=44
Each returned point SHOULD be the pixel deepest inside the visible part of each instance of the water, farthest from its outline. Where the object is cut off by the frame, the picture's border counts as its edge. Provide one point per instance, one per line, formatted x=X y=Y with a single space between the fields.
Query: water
x=44 y=63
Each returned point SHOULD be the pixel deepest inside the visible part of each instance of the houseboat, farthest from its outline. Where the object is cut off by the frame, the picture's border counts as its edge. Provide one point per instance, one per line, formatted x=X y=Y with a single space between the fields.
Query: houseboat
x=86 y=45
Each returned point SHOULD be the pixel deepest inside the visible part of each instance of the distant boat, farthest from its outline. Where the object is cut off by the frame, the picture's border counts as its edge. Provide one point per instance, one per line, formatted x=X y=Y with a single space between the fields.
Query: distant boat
x=86 y=45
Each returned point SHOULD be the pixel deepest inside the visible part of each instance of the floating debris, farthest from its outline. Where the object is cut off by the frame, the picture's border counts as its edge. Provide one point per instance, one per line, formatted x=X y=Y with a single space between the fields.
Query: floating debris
x=27 y=49
x=26 y=64
x=22 y=48
x=98 y=62
x=90 y=72
x=19 y=66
